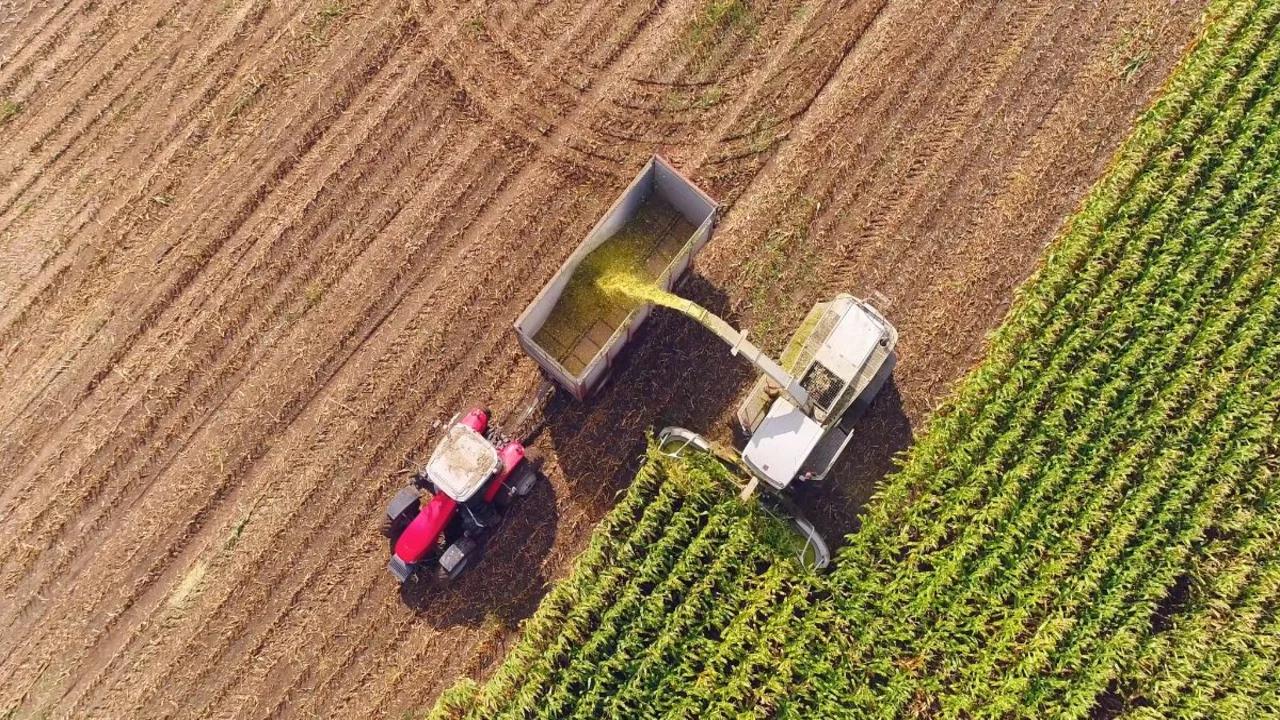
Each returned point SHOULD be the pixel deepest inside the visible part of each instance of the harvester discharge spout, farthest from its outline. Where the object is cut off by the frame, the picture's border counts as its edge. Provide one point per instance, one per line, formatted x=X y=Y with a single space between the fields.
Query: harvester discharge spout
x=622 y=283
x=741 y=346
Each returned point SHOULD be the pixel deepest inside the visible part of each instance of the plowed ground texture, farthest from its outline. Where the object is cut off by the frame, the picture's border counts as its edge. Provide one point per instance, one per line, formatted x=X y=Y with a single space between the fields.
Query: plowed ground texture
x=251 y=253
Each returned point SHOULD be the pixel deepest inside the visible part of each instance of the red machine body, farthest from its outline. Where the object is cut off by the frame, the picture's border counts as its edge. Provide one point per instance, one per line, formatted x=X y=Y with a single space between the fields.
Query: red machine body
x=477 y=419
x=511 y=455
x=417 y=526
x=420 y=537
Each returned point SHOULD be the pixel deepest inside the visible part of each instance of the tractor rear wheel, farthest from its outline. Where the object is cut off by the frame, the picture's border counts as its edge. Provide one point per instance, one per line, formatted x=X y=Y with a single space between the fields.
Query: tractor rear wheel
x=400 y=512
x=530 y=470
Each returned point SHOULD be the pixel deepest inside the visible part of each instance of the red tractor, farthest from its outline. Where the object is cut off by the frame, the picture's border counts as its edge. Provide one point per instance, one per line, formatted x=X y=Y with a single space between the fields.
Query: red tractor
x=440 y=521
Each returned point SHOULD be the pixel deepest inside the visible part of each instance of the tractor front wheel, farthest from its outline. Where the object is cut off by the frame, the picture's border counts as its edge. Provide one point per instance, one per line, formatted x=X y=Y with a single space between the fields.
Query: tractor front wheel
x=457 y=558
x=455 y=573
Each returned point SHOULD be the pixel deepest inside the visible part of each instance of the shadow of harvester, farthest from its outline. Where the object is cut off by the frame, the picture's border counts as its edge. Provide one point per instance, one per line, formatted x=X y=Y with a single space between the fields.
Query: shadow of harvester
x=835 y=504
x=677 y=373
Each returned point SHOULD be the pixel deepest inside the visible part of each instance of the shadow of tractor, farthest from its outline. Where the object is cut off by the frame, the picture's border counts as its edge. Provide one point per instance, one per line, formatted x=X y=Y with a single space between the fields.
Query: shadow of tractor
x=835 y=504
x=507 y=582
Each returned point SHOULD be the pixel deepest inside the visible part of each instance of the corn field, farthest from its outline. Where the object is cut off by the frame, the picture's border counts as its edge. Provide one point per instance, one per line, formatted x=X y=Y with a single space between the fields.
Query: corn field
x=1088 y=528
x=676 y=591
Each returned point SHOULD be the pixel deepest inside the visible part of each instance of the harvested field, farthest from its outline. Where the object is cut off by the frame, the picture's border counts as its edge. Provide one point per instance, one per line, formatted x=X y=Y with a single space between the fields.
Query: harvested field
x=251 y=252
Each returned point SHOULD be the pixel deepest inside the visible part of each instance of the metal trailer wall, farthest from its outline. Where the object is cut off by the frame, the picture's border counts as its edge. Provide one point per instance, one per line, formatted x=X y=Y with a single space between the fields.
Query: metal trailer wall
x=657 y=176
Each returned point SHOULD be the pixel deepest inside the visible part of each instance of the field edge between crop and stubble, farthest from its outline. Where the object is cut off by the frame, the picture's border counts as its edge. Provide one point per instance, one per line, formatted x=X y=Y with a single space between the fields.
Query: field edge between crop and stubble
x=1084 y=529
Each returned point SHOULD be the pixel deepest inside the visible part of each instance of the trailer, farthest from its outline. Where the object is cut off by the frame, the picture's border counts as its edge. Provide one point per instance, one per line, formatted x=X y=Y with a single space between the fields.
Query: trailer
x=664 y=218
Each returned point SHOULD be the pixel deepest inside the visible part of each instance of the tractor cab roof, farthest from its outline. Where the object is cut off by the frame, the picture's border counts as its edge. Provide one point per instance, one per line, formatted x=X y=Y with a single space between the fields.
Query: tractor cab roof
x=462 y=462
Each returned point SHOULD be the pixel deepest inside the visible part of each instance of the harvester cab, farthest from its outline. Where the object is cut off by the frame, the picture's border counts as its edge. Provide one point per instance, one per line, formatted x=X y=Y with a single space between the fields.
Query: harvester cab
x=842 y=354
x=440 y=521
x=798 y=417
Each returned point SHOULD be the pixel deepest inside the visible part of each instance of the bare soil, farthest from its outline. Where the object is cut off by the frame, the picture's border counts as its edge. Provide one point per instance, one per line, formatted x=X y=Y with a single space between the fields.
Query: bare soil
x=252 y=252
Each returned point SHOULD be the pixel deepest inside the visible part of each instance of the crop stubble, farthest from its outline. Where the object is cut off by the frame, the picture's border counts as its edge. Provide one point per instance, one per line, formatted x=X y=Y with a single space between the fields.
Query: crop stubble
x=250 y=253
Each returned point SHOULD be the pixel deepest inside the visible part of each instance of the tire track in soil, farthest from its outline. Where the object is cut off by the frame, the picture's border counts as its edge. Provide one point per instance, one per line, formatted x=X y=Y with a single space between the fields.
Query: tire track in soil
x=205 y=417
x=106 y=63
x=384 y=358
x=64 y=34
x=1107 y=31
x=129 y=225
x=941 y=175
x=941 y=58
x=11 y=489
x=306 y=272
x=946 y=127
x=248 y=19
x=84 y=162
x=671 y=122
x=47 y=410
x=64 y=401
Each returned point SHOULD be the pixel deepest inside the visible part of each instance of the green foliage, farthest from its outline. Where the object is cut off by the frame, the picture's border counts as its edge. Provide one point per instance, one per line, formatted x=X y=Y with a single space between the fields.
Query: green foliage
x=1087 y=528
x=679 y=568
x=9 y=109
x=718 y=16
x=328 y=13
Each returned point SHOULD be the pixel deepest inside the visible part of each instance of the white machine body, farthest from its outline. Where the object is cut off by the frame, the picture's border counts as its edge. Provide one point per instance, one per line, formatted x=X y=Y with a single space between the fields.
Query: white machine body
x=842 y=363
x=462 y=462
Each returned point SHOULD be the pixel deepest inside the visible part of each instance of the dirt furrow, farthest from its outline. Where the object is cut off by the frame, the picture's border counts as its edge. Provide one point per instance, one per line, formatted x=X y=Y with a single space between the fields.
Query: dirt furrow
x=39 y=143
x=191 y=260
x=134 y=221
x=97 y=159
x=209 y=399
x=44 y=502
x=282 y=307
x=53 y=37
x=311 y=510
x=161 y=577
